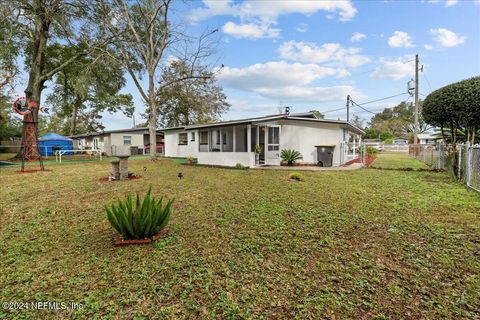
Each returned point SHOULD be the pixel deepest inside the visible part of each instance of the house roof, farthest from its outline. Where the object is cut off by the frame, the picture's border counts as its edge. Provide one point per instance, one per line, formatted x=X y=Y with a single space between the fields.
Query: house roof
x=426 y=135
x=92 y=134
x=305 y=116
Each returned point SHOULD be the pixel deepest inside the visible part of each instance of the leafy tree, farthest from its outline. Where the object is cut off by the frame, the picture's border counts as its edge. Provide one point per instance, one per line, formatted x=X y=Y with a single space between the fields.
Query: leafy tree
x=143 y=37
x=456 y=108
x=33 y=25
x=9 y=126
x=192 y=101
x=398 y=120
x=83 y=90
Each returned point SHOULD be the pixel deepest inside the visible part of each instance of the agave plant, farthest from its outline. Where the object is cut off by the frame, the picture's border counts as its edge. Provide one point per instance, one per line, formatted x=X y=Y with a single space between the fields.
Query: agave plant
x=290 y=156
x=139 y=220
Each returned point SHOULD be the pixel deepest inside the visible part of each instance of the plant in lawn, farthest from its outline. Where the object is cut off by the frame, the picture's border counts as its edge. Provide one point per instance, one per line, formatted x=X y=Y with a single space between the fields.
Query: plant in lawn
x=295 y=176
x=190 y=160
x=290 y=156
x=139 y=220
x=258 y=150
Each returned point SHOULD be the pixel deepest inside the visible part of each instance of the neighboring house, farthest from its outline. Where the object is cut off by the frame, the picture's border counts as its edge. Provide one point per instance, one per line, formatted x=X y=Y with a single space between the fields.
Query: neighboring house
x=400 y=141
x=230 y=142
x=118 y=141
x=426 y=138
x=374 y=143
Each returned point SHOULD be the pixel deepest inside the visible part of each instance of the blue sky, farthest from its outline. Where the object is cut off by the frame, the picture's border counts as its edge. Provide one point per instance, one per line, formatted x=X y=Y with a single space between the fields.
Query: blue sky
x=311 y=54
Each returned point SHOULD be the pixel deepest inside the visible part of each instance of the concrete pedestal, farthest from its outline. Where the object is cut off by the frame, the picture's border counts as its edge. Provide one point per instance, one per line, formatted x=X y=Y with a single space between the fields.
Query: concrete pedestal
x=115 y=169
x=123 y=167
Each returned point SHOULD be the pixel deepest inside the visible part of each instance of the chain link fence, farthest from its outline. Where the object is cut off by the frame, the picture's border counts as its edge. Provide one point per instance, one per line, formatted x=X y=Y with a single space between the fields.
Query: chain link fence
x=463 y=162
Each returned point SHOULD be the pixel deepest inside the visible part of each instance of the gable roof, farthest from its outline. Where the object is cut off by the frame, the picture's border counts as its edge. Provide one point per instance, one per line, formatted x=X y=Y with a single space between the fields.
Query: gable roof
x=305 y=116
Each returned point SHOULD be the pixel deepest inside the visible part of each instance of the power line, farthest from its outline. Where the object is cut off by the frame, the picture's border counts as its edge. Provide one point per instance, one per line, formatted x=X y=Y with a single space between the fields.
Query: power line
x=363 y=103
x=428 y=82
x=397 y=95
x=356 y=104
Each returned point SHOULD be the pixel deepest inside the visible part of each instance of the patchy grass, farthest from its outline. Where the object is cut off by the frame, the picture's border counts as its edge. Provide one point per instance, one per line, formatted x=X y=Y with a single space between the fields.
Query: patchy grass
x=244 y=244
x=397 y=161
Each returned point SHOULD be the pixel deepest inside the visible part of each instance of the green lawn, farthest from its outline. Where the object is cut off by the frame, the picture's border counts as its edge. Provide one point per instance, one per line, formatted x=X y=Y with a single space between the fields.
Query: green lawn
x=6 y=156
x=244 y=244
x=397 y=161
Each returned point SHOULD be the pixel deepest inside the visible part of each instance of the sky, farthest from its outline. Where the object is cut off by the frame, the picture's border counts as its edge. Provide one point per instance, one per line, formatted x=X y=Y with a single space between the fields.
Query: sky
x=310 y=55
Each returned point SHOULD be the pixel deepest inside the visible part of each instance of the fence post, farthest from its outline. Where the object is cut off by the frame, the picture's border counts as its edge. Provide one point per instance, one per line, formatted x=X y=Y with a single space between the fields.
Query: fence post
x=468 y=163
x=460 y=161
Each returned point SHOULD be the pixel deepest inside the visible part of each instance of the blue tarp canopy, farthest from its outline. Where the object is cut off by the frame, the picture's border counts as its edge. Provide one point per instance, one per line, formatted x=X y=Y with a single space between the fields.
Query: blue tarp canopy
x=51 y=142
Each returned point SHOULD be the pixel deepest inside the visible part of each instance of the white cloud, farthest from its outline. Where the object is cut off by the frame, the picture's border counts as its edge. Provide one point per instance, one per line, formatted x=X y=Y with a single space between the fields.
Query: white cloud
x=271 y=10
x=450 y=3
x=358 y=36
x=302 y=27
x=428 y=47
x=400 y=39
x=271 y=74
x=250 y=30
x=280 y=80
x=395 y=69
x=309 y=94
x=329 y=53
x=447 y=38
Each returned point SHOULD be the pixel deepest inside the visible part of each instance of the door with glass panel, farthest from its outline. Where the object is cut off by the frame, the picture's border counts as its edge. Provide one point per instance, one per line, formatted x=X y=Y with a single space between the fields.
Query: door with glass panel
x=272 y=151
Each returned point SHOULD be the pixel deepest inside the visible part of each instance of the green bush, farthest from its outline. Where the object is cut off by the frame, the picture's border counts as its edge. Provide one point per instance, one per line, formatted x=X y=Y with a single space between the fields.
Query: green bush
x=371 y=151
x=139 y=220
x=290 y=156
x=296 y=176
x=239 y=166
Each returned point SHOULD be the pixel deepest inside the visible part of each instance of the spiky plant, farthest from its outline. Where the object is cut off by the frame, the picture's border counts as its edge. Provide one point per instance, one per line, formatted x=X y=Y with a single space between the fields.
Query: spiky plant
x=139 y=219
x=290 y=156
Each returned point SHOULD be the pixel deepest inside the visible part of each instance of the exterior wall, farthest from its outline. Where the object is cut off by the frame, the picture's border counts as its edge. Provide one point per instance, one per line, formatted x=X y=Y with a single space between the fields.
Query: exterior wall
x=303 y=136
x=227 y=158
x=173 y=149
x=116 y=145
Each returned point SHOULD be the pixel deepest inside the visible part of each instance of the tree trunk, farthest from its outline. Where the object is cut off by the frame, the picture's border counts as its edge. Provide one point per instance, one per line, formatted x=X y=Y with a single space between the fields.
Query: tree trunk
x=75 y=107
x=152 y=121
x=34 y=88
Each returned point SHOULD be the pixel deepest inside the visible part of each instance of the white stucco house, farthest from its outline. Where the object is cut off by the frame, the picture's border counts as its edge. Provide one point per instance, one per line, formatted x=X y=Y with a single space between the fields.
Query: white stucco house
x=117 y=141
x=228 y=143
x=427 y=138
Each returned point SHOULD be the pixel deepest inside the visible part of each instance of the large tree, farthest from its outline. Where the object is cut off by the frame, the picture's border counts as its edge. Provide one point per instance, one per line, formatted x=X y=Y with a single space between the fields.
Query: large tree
x=34 y=25
x=145 y=37
x=455 y=109
x=396 y=121
x=83 y=90
x=192 y=101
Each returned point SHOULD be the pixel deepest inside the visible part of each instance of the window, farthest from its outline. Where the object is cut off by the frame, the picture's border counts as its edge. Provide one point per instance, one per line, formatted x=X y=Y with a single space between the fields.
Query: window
x=127 y=140
x=273 y=135
x=183 y=138
x=224 y=138
x=218 y=136
x=193 y=136
x=273 y=138
x=204 y=137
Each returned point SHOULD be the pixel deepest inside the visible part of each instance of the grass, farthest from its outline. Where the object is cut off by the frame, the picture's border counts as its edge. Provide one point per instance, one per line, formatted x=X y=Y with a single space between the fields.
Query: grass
x=397 y=161
x=244 y=244
x=6 y=156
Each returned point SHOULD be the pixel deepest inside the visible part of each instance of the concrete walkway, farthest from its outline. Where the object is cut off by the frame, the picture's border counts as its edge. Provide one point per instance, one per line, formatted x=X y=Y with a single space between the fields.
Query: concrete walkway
x=353 y=166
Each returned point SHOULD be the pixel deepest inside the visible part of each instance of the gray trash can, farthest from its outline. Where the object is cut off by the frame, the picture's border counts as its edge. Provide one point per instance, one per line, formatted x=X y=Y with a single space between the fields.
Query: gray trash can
x=325 y=155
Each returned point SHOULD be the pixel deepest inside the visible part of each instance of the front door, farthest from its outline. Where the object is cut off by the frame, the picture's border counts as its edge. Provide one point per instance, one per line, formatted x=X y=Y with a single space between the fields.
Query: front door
x=272 y=152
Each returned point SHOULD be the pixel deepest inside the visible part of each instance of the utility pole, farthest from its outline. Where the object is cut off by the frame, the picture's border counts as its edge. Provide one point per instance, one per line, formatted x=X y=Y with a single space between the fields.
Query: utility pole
x=416 y=101
x=348 y=108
